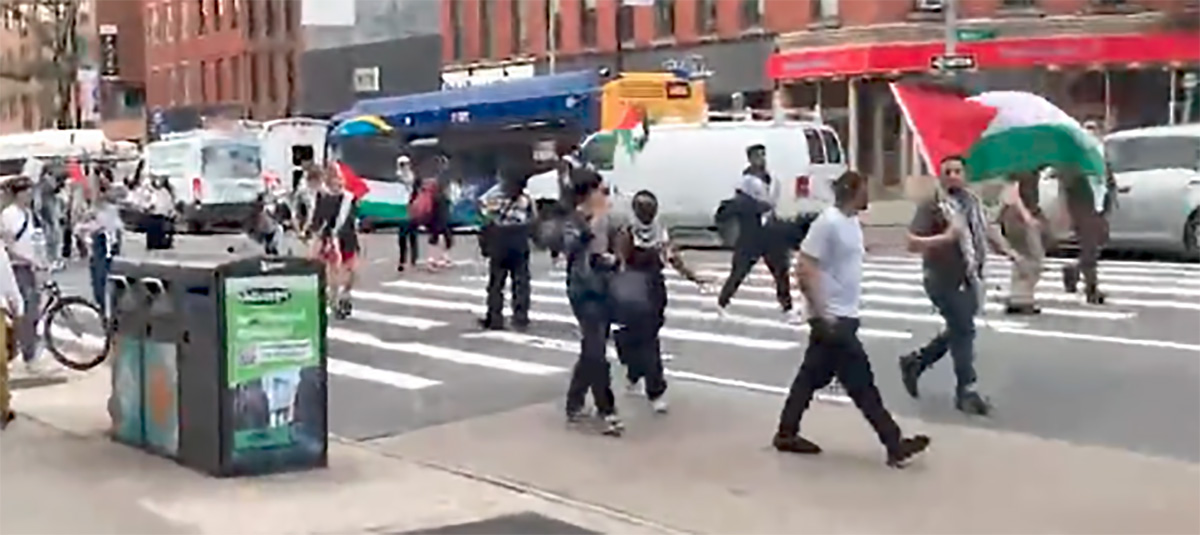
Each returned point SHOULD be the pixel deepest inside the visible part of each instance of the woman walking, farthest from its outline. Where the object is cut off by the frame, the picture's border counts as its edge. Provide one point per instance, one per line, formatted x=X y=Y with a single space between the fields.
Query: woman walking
x=406 y=234
x=588 y=237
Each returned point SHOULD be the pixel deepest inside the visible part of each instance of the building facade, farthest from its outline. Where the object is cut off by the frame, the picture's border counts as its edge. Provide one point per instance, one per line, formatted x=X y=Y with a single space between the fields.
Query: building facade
x=392 y=49
x=21 y=108
x=119 y=55
x=232 y=58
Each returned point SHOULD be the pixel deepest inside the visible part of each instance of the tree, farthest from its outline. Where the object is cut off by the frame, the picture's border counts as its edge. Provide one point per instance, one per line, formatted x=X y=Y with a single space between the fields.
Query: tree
x=51 y=28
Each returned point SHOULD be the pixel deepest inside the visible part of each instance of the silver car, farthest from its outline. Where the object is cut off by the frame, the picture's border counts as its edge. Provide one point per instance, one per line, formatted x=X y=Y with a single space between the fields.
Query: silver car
x=1157 y=171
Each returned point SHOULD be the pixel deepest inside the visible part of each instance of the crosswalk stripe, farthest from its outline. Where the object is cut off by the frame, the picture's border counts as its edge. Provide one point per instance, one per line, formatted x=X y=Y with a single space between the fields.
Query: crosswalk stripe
x=362 y=372
x=1106 y=266
x=668 y=333
x=1160 y=344
x=771 y=305
x=541 y=342
x=1059 y=297
x=409 y=322
x=1053 y=274
x=441 y=353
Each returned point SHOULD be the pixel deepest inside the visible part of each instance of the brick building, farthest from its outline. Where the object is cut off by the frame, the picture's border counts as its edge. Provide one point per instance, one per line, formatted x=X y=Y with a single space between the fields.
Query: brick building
x=120 y=55
x=235 y=58
x=20 y=105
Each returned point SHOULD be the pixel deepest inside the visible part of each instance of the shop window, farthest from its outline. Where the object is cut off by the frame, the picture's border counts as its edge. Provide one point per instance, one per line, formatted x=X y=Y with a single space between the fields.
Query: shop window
x=664 y=18
x=706 y=17
x=587 y=23
x=816 y=148
x=752 y=13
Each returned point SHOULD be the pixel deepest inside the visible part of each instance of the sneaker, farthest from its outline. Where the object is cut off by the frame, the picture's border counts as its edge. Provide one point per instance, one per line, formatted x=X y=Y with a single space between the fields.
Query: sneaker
x=1022 y=310
x=793 y=317
x=722 y=312
x=660 y=404
x=910 y=373
x=1095 y=297
x=1070 y=277
x=795 y=444
x=613 y=426
x=973 y=404
x=490 y=324
x=632 y=388
x=908 y=448
x=35 y=367
x=575 y=416
x=520 y=325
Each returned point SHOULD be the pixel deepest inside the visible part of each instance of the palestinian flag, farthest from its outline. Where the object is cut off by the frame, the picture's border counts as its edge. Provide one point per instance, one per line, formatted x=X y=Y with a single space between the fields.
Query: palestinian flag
x=629 y=135
x=351 y=181
x=999 y=133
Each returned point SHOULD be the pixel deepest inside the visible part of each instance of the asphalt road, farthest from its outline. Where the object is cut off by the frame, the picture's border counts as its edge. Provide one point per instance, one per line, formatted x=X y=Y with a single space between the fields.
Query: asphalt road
x=1124 y=375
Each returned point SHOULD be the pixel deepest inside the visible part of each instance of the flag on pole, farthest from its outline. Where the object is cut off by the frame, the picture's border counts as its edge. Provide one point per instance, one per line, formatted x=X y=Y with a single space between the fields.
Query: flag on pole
x=999 y=133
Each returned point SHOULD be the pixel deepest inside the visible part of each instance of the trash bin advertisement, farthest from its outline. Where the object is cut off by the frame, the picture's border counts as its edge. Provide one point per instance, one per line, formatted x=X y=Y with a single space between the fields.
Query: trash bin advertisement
x=273 y=363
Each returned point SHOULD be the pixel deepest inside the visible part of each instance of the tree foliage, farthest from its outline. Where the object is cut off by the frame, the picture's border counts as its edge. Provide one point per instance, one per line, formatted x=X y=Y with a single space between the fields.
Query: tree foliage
x=51 y=27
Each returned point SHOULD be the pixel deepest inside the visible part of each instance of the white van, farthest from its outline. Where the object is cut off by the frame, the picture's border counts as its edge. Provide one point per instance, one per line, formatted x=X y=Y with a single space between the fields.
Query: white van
x=692 y=168
x=216 y=176
x=288 y=144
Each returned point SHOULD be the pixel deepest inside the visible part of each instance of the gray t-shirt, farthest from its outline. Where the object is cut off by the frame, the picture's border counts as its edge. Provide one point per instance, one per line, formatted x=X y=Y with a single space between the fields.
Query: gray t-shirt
x=945 y=263
x=835 y=240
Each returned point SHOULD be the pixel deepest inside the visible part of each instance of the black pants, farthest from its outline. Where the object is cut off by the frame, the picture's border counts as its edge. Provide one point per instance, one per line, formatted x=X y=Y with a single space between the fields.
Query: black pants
x=591 y=371
x=158 y=232
x=839 y=354
x=502 y=265
x=638 y=345
x=744 y=258
x=406 y=238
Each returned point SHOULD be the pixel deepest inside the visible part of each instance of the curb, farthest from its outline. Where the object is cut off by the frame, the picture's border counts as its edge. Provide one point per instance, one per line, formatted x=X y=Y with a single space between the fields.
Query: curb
x=520 y=488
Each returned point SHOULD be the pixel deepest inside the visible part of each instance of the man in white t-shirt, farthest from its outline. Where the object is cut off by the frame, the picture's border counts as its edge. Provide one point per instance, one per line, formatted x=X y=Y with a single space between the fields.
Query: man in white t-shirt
x=830 y=276
x=18 y=228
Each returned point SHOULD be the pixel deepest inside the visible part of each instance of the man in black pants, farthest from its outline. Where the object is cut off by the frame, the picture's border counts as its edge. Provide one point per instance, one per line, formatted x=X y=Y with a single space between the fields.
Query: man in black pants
x=830 y=276
x=754 y=208
x=506 y=241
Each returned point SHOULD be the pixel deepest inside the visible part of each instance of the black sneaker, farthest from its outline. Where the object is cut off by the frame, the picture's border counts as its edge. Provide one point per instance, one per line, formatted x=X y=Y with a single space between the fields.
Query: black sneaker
x=400 y=268
x=908 y=448
x=973 y=404
x=613 y=426
x=795 y=444
x=520 y=325
x=1070 y=277
x=490 y=324
x=1022 y=310
x=910 y=373
x=575 y=416
x=1095 y=297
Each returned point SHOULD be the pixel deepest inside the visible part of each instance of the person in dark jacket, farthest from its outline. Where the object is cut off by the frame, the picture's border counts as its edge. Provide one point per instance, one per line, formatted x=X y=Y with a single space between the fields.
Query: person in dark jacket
x=406 y=234
x=754 y=210
x=509 y=212
x=587 y=238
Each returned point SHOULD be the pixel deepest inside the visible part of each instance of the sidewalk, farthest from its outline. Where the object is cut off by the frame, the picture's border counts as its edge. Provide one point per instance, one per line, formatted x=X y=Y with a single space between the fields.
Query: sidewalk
x=708 y=467
x=59 y=473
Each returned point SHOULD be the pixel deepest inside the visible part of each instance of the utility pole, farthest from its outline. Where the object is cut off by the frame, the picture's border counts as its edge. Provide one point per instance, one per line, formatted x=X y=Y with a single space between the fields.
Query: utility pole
x=950 y=9
x=552 y=32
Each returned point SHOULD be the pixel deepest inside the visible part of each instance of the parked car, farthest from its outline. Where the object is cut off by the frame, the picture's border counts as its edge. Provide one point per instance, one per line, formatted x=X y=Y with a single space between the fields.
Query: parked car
x=1157 y=171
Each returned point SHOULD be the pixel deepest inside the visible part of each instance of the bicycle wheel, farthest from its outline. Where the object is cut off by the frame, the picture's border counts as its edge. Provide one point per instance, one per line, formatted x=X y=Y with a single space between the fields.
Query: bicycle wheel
x=76 y=333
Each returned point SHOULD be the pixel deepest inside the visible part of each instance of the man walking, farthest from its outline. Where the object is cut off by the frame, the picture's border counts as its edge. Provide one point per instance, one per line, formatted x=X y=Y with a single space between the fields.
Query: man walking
x=952 y=235
x=505 y=240
x=754 y=209
x=1089 y=225
x=1022 y=222
x=18 y=228
x=830 y=277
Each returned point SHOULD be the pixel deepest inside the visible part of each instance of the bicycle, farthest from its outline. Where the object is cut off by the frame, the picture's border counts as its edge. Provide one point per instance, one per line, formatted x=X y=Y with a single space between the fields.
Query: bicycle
x=63 y=315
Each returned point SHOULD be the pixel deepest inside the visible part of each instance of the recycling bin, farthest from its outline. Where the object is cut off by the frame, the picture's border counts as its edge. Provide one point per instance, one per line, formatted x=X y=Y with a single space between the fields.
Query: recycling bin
x=221 y=365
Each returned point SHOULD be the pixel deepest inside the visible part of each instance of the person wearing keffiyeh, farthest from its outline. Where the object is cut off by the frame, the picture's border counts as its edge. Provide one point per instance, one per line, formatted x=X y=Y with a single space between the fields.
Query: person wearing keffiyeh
x=952 y=234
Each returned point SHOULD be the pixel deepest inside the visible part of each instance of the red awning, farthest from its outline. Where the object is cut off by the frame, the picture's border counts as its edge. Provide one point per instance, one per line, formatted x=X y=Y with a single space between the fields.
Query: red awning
x=994 y=54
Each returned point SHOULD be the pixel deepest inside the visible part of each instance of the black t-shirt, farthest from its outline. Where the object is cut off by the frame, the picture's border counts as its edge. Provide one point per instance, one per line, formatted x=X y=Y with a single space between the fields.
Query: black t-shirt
x=945 y=263
x=325 y=216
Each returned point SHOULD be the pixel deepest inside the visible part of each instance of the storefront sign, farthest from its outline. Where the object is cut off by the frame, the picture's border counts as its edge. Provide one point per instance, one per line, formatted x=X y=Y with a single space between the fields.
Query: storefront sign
x=366 y=80
x=692 y=66
x=485 y=76
x=272 y=344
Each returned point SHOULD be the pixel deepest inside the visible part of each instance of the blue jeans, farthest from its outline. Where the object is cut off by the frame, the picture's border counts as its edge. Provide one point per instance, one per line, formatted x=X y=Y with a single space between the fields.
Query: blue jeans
x=591 y=373
x=100 y=263
x=957 y=306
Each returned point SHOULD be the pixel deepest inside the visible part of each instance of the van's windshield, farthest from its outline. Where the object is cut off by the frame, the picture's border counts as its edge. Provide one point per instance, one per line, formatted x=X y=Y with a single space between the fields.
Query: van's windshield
x=1149 y=153
x=230 y=159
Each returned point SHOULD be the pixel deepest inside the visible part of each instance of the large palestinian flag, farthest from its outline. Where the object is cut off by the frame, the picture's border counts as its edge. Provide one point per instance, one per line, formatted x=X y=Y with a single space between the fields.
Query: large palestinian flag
x=999 y=133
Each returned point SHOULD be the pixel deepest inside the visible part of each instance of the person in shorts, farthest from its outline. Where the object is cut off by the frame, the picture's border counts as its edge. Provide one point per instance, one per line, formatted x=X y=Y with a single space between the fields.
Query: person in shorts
x=334 y=224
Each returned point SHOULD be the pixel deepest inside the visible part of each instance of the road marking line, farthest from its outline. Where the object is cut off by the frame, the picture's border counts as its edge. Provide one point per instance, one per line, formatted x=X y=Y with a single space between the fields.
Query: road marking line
x=375 y=375
x=1114 y=266
x=420 y=324
x=772 y=305
x=1162 y=344
x=441 y=353
x=541 y=342
x=1045 y=296
x=673 y=334
x=1051 y=273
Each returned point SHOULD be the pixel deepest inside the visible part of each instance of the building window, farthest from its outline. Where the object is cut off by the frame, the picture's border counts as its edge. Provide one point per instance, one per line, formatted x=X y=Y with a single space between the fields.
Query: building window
x=201 y=17
x=153 y=27
x=752 y=13
x=272 y=80
x=288 y=22
x=219 y=78
x=235 y=13
x=625 y=23
x=1018 y=4
x=456 y=20
x=269 y=18
x=824 y=10
x=184 y=29
x=253 y=79
x=169 y=16
x=203 y=81
x=235 y=78
x=218 y=9
x=290 y=88
x=185 y=82
x=706 y=17
x=485 y=28
x=251 y=18
x=664 y=18
x=516 y=17
x=587 y=23
x=553 y=24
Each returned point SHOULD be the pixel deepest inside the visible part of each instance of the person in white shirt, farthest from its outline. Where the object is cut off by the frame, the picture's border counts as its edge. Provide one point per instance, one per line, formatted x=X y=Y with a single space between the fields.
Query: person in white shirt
x=12 y=305
x=830 y=277
x=18 y=229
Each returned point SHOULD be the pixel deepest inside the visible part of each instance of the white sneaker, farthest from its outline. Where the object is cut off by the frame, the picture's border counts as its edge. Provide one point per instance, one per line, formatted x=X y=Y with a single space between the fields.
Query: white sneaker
x=793 y=317
x=722 y=312
x=36 y=367
x=660 y=405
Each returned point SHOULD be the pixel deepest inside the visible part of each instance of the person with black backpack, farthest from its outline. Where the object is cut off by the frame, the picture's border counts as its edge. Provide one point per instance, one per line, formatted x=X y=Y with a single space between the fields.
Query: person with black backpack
x=504 y=240
x=639 y=293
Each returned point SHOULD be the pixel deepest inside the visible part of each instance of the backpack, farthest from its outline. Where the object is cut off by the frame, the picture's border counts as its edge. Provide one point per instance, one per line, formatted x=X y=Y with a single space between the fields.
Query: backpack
x=421 y=210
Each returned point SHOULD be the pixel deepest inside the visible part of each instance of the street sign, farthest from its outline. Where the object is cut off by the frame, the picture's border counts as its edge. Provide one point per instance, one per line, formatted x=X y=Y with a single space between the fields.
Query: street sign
x=968 y=35
x=952 y=62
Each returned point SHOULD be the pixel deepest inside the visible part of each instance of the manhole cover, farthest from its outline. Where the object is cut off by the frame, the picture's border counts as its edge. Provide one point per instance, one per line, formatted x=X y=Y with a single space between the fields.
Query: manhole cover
x=518 y=524
x=18 y=383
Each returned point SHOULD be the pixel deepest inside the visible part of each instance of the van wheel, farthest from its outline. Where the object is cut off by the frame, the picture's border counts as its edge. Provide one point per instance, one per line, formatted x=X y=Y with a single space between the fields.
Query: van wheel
x=1191 y=236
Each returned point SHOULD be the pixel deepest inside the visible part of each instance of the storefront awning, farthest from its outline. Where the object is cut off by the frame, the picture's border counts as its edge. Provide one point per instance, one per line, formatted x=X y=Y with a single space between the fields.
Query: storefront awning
x=569 y=97
x=891 y=58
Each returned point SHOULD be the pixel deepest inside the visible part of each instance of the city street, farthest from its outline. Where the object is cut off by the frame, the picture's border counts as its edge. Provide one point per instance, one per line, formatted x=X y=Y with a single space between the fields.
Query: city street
x=412 y=373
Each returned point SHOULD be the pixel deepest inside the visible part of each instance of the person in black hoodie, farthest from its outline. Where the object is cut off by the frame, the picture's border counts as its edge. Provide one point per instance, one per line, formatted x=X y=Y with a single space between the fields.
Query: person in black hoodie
x=509 y=212
x=587 y=238
x=753 y=208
